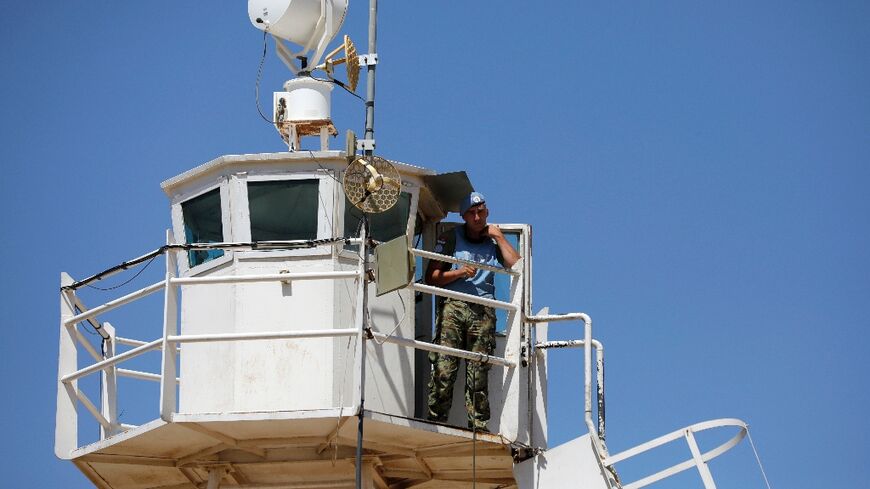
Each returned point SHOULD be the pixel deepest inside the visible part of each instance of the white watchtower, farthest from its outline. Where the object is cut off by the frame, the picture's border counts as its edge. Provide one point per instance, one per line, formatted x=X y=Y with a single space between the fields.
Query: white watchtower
x=291 y=342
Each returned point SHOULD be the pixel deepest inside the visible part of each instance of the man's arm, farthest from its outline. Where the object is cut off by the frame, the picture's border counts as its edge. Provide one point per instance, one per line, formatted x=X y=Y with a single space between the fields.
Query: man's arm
x=438 y=273
x=508 y=253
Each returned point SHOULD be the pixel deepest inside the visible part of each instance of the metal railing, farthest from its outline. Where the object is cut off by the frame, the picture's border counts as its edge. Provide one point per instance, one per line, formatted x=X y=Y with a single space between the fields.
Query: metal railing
x=74 y=312
x=699 y=460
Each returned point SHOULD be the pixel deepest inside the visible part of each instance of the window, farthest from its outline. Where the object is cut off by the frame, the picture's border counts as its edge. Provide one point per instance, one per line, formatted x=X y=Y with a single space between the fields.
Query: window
x=283 y=209
x=202 y=224
x=384 y=225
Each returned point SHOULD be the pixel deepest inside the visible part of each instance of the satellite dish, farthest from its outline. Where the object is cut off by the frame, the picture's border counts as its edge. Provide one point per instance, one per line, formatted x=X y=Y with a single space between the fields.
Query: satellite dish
x=350 y=61
x=372 y=184
x=308 y=23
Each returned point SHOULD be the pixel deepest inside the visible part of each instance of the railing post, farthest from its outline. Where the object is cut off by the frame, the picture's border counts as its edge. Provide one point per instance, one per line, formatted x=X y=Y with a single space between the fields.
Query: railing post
x=516 y=378
x=109 y=394
x=360 y=359
x=168 y=372
x=706 y=476
x=66 y=417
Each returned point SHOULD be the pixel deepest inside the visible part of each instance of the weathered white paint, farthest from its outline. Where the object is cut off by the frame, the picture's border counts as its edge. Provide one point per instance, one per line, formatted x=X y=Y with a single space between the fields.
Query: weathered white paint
x=572 y=464
x=65 y=424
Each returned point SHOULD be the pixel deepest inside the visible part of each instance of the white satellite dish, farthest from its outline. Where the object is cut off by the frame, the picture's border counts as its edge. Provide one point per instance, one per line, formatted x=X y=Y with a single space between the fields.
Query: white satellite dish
x=311 y=24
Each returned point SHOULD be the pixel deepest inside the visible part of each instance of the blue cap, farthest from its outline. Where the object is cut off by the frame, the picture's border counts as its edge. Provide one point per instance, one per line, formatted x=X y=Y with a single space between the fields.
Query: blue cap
x=471 y=200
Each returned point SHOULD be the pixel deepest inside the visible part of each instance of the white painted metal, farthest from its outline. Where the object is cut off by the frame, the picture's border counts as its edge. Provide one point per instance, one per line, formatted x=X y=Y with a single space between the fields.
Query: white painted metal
x=429 y=289
x=676 y=435
x=572 y=464
x=450 y=259
x=104 y=423
x=129 y=341
x=73 y=376
x=272 y=277
x=65 y=424
x=111 y=305
x=706 y=476
x=87 y=346
x=538 y=388
x=298 y=21
x=169 y=359
x=136 y=374
x=268 y=335
x=422 y=345
x=306 y=99
x=109 y=386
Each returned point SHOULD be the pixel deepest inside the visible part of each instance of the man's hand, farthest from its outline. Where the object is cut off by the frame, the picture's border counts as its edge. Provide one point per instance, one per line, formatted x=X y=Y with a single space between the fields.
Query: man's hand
x=493 y=232
x=467 y=271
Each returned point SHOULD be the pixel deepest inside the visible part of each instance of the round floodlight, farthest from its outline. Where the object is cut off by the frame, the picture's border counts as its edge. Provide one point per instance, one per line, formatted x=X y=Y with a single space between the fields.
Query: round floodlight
x=299 y=21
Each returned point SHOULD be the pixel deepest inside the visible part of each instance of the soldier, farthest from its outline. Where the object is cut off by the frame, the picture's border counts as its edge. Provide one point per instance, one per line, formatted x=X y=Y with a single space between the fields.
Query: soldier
x=461 y=324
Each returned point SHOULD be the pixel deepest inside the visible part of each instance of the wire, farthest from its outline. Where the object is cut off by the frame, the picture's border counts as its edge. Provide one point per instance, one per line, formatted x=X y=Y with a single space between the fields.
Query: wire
x=336 y=82
x=106 y=289
x=404 y=315
x=259 y=75
x=757 y=458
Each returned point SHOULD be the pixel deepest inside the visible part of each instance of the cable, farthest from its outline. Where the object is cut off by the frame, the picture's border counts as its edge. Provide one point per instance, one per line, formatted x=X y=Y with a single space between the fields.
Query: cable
x=106 y=289
x=336 y=82
x=757 y=458
x=404 y=315
x=259 y=75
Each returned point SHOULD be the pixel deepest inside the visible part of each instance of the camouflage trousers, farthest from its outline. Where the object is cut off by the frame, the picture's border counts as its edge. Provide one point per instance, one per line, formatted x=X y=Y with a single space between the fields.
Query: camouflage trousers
x=468 y=327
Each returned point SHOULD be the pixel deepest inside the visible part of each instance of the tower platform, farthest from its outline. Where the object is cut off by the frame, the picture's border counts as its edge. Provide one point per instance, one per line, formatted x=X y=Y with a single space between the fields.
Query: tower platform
x=295 y=450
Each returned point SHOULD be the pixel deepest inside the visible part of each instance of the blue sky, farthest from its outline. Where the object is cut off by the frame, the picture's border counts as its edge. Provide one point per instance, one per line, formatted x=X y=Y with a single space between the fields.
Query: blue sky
x=695 y=174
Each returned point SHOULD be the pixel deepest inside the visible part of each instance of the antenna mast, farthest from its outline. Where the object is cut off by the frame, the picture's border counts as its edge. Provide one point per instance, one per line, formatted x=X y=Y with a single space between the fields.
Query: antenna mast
x=371 y=61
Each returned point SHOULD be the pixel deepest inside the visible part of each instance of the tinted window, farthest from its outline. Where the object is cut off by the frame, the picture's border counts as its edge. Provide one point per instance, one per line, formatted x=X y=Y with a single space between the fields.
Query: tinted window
x=283 y=209
x=384 y=225
x=202 y=224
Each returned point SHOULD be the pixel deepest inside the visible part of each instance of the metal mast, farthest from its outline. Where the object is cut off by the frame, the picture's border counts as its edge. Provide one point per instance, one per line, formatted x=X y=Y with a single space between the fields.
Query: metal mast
x=371 y=64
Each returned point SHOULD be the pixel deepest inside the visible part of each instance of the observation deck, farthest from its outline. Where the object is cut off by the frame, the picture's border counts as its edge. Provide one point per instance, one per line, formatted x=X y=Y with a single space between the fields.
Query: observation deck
x=284 y=359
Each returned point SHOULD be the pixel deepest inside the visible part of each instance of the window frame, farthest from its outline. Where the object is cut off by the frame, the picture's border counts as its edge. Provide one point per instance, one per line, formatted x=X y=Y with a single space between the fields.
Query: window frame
x=325 y=207
x=178 y=225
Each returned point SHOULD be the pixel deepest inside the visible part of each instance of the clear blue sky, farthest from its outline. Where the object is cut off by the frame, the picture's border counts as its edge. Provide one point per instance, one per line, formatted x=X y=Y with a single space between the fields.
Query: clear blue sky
x=696 y=175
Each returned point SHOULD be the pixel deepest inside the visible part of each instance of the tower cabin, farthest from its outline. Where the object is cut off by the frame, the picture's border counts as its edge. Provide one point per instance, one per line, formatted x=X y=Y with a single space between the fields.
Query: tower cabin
x=280 y=352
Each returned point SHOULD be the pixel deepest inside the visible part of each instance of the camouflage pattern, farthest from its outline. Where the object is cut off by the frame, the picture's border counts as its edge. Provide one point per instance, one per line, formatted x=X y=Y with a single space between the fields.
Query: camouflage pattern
x=468 y=327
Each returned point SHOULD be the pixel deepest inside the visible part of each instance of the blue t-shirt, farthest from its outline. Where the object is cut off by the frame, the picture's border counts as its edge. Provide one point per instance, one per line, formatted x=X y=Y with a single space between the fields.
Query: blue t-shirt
x=458 y=245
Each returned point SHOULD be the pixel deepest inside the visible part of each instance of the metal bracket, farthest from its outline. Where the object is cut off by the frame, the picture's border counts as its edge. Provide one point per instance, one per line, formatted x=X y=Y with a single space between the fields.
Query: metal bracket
x=365 y=144
x=370 y=59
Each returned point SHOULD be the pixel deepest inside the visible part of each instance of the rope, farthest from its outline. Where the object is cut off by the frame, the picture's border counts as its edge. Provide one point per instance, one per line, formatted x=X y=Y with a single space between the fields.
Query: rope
x=757 y=458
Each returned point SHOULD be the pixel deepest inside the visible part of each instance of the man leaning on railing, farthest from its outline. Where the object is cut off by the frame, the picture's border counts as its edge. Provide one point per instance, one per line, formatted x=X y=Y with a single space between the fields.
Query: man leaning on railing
x=461 y=324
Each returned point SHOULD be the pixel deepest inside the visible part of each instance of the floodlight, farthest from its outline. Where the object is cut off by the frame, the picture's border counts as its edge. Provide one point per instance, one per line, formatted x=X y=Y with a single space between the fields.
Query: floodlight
x=308 y=23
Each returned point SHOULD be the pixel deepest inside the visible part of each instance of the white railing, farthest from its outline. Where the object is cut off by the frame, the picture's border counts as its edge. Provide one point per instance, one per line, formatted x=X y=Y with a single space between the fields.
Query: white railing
x=699 y=460
x=74 y=312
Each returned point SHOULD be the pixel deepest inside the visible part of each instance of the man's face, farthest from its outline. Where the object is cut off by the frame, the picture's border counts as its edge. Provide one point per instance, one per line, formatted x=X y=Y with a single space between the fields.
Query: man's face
x=475 y=217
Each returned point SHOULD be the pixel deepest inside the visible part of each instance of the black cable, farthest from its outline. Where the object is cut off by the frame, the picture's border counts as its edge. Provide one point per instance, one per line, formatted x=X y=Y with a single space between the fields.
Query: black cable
x=254 y=245
x=259 y=75
x=336 y=82
x=125 y=282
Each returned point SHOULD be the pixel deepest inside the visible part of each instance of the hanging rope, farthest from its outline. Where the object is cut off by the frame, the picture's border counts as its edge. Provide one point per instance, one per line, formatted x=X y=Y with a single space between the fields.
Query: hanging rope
x=757 y=458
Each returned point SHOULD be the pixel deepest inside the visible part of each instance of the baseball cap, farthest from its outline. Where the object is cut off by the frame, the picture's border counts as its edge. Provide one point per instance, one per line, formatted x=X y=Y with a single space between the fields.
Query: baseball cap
x=471 y=200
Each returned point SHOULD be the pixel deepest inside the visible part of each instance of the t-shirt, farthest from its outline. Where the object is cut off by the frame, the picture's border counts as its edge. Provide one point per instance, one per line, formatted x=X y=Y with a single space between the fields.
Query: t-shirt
x=455 y=243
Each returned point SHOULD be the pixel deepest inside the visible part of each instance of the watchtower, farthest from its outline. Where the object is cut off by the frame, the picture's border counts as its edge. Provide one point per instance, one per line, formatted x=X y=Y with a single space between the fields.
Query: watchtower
x=274 y=356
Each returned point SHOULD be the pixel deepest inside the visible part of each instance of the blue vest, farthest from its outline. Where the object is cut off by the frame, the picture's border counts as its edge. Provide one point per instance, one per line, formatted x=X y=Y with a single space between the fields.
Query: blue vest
x=482 y=284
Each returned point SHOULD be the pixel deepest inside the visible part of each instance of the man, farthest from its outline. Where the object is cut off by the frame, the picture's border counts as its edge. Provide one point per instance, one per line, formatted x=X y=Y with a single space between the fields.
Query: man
x=461 y=324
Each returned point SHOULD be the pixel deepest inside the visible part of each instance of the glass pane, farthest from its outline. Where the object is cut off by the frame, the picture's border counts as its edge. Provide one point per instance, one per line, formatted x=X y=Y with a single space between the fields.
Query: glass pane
x=202 y=224
x=385 y=225
x=503 y=284
x=283 y=209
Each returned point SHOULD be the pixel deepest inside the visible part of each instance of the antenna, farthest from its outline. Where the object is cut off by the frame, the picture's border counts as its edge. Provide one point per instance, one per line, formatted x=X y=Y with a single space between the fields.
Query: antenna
x=304 y=107
x=372 y=184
